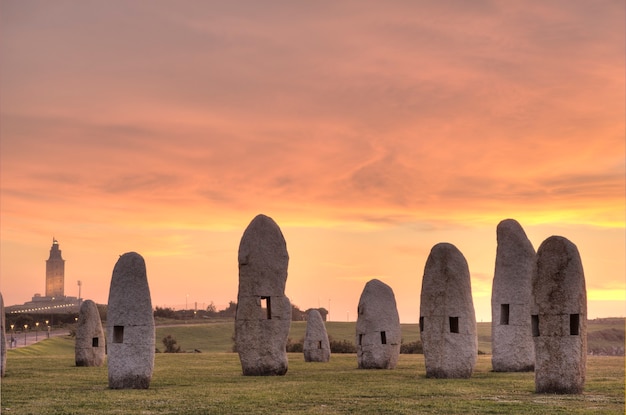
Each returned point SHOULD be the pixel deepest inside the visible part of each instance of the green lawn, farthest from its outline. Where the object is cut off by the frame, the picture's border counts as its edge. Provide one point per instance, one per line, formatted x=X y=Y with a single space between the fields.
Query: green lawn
x=42 y=379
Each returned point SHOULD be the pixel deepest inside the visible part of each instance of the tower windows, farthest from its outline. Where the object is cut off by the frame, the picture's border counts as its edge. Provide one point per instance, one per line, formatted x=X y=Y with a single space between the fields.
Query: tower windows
x=383 y=337
x=94 y=342
x=421 y=324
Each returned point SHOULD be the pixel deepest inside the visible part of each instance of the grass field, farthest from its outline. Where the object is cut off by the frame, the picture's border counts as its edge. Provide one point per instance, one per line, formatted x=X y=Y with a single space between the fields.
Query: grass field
x=217 y=336
x=42 y=379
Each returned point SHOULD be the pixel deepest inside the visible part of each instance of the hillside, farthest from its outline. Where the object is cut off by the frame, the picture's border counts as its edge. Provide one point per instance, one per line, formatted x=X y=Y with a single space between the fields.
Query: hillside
x=604 y=336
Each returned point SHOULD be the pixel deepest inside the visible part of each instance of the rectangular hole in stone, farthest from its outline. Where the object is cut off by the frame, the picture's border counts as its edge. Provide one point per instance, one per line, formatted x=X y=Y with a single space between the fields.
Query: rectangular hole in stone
x=574 y=324
x=94 y=342
x=421 y=324
x=319 y=344
x=267 y=305
x=535 y=324
x=118 y=334
x=454 y=324
x=504 y=314
x=383 y=337
x=360 y=339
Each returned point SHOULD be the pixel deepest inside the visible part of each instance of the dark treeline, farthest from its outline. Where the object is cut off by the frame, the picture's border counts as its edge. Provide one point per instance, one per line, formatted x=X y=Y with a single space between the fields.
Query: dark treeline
x=228 y=312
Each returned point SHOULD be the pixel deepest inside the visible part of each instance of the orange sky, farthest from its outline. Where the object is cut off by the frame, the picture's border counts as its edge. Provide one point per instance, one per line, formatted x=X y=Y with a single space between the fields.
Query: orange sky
x=369 y=131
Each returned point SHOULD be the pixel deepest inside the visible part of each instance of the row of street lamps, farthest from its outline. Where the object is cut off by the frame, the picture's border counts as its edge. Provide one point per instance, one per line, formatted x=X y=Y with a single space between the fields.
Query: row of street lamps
x=14 y=340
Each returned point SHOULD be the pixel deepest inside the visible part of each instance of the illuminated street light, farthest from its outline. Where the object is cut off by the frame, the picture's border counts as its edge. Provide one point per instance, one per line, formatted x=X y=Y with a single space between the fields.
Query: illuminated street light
x=25 y=327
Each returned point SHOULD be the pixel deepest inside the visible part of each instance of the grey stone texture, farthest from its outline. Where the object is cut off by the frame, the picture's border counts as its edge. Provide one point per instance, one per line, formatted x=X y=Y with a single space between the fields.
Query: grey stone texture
x=447 y=318
x=378 y=334
x=316 y=346
x=512 y=342
x=130 y=325
x=3 y=339
x=89 y=349
x=263 y=315
x=559 y=318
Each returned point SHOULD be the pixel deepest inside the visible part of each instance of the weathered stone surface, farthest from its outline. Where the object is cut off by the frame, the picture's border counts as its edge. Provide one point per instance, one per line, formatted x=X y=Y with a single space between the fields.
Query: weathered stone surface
x=130 y=325
x=89 y=349
x=3 y=339
x=263 y=314
x=378 y=334
x=447 y=318
x=512 y=343
x=559 y=318
x=316 y=346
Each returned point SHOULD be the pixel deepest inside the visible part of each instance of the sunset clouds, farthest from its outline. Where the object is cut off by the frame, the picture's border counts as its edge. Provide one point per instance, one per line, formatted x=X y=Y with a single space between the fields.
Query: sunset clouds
x=154 y=122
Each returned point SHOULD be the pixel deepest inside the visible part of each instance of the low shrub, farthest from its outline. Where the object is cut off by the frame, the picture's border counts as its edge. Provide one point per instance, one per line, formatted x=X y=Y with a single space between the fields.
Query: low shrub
x=342 y=346
x=171 y=345
x=297 y=347
x=412 y=347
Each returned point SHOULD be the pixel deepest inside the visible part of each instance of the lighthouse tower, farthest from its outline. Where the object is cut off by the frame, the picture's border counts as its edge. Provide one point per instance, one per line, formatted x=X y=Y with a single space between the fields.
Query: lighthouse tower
x=55 y=272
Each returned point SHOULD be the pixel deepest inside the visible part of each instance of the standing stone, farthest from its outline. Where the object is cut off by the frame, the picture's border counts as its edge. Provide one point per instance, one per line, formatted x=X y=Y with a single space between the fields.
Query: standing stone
x=378 y=334
x=89 y=349
x=3 y=339
x=512 y=342
x=559 y=318
x=263 y=315
x=130 y=325
x=447 y=319
x=316 y=345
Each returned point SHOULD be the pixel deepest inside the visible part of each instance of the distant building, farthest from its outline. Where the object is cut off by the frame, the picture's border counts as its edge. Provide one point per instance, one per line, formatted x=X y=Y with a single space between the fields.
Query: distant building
x=55 y=299
x=55 y=272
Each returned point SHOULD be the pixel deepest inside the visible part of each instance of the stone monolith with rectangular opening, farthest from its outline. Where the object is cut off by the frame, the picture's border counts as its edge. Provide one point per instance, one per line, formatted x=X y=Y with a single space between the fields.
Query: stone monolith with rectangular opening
x=316 y=346
x=3 y=339
x=559 y=318
x=130 y=325
x=378 y=333
x=89 y=349
x=263 y=315
x=512 y=342
x=447 y=318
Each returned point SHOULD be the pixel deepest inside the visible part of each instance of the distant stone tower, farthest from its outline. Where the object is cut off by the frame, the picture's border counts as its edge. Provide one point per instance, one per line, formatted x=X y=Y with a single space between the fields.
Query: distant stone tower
x=512 y=342
x=559 y=318
x=55 y=272
x=447 y=318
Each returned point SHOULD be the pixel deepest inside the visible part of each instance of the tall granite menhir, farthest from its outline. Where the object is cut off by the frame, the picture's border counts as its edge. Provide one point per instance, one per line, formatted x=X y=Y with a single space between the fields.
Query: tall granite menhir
x=512 y=343
x=378 y=334
x=559 y=318
x=130 y=325
x=263 y=315
x=316 y=346
x=89 y=349
x=447 y=318
x=3 y=339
